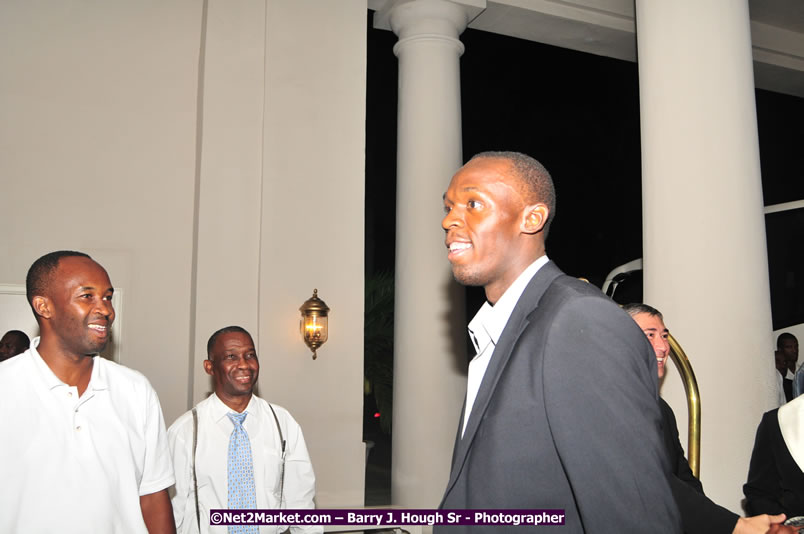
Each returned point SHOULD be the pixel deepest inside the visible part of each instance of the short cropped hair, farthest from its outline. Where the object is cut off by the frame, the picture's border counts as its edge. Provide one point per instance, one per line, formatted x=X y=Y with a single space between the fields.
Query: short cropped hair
x=37 y=282
x=22 y=338
x=225 y=330
x=784 y=336
x=534 y=177
x=636 y=308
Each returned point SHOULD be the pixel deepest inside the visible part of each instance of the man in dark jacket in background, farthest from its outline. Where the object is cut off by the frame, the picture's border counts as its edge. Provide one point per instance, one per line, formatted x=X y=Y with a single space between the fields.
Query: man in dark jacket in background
x=698 y=513
x=776 y=476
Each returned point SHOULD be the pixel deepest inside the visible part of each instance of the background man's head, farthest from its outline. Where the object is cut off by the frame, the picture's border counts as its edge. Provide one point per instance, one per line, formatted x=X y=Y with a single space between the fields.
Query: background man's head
x=71 y=296
x=12 y=343
x=498 y=207
x=233 y=364
x=651 y=321
x=786 y=352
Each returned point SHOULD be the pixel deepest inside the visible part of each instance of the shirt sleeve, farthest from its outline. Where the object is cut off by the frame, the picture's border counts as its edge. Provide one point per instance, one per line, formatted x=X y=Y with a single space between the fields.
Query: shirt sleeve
x=157 y=473
x=699 y=515
x=299 y=489
x=180 y=443
x=680 y=465
x=763 y=490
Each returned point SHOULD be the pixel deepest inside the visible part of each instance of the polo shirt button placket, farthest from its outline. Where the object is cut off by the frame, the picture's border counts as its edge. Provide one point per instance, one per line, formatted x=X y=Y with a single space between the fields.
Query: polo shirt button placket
x=79 y=425
x=77 y=420
x=72 y=395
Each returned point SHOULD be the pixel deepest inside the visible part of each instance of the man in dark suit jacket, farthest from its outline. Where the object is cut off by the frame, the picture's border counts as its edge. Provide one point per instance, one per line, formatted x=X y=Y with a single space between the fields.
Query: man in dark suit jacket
x=561 y=408
x=776 y=474
x=699 y=514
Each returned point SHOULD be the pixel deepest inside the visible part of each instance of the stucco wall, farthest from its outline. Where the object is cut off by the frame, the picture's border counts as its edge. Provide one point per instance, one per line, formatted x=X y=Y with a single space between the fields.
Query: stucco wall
x=216 y=170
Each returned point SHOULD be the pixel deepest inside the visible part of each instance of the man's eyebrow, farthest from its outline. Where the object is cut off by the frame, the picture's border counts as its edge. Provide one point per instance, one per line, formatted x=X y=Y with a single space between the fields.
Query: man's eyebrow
x=653 y=329
x=91 y=288
x=465 y=189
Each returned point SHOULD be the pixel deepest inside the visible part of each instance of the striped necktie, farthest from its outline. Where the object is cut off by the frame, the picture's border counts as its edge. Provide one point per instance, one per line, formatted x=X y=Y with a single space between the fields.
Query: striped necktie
x=241 y=473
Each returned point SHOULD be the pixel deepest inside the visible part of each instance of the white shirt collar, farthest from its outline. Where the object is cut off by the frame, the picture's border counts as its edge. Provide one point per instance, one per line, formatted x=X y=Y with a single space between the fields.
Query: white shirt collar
x=489 y=322
x=220 y=410
x=97 y=379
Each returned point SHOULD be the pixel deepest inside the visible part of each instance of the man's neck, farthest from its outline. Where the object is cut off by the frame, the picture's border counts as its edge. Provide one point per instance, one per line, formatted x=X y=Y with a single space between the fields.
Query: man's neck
x=237 y=404
x=497 y=289
x=72 y=369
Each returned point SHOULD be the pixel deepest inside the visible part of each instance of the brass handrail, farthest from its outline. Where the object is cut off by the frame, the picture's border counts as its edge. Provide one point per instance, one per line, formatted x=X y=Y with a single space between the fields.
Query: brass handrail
x=693 y=404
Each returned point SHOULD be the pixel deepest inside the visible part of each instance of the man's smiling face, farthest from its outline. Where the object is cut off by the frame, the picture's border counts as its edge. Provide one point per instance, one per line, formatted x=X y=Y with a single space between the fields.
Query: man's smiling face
x=234 y=365
x=80 y=304
x=484 y=213
x=657 y=333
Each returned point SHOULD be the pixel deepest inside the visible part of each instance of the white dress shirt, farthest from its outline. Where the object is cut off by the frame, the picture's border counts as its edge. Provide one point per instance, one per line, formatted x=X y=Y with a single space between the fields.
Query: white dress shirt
x=798 y=381
x=485 y=330
x=214 y=430
x=780 y=385
x=75 y=464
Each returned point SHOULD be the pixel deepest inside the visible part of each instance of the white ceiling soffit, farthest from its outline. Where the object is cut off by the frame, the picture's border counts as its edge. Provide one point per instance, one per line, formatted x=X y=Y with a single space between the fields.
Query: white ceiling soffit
x=779 y=57
x=603 y=27
x=607 y=28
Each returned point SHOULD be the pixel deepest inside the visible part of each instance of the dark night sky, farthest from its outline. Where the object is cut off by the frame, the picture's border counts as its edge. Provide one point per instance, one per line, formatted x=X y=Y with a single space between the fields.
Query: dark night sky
x=578 y=114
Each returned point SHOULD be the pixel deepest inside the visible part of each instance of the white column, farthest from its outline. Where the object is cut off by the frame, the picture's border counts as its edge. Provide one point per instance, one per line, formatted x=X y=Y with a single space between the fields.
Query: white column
x=429 y=337
x=704 y=230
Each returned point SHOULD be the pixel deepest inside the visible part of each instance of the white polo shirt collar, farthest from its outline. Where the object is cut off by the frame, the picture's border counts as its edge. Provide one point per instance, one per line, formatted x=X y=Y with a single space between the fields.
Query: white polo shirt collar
x=97 y=380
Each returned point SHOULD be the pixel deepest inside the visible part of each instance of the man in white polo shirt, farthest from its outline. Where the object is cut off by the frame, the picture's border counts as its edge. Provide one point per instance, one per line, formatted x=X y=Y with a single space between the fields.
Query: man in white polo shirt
x=84 y=441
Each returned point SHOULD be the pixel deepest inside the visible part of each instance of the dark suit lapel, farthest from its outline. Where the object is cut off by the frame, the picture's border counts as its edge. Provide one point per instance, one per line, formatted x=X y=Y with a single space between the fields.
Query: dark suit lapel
x=528 y=302
x=458 y=437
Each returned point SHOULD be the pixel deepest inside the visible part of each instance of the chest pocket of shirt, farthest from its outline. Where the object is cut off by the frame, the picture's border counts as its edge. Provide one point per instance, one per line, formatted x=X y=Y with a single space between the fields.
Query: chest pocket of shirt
x=272 y=473
x=275 y=466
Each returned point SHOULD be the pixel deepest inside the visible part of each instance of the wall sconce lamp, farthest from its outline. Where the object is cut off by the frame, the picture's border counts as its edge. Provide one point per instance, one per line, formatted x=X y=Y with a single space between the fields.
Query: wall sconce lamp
x=313 y=323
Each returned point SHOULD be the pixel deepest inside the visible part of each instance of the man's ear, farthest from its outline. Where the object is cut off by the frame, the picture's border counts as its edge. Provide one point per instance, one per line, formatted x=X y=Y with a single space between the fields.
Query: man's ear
x=208 y=367
x=41 y=306
x=534 y=219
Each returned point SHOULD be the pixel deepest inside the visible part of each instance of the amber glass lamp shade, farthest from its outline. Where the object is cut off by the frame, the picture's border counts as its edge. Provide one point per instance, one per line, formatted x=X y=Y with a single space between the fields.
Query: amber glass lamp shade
x=313 y=324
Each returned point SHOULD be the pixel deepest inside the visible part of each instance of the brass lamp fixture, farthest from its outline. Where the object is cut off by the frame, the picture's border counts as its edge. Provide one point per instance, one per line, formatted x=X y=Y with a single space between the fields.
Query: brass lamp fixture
x=313 y=324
